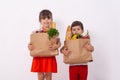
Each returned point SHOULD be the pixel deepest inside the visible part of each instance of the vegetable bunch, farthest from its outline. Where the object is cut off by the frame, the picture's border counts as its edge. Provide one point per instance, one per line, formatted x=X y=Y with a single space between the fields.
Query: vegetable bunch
x=52 y=32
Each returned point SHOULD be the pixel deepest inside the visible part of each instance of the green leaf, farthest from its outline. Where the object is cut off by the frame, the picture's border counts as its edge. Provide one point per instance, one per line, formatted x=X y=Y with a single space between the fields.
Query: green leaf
x=52 y=32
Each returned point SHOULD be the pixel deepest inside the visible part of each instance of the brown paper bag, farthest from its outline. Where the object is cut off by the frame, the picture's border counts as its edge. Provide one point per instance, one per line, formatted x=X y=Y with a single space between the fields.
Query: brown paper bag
x=40 y=43
x=77 y=54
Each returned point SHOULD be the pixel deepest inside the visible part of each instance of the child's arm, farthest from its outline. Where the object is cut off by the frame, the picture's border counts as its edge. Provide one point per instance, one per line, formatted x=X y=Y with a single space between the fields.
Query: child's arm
x=58 y=43
x=30 y=46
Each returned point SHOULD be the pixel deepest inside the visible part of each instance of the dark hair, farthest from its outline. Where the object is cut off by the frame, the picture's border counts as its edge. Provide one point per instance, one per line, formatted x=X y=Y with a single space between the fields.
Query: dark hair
x=77 y=23
x=45 y=14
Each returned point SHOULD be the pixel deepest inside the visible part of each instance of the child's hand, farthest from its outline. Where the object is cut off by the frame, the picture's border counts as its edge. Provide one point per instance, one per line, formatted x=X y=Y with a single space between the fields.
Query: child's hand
x=89 y=47
x=55 y=45
x=30 y=47
x=65 y=51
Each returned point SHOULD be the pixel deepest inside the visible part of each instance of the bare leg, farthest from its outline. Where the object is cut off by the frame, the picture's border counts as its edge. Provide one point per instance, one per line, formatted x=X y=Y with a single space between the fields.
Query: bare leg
x=48 y=76
x=40 y=76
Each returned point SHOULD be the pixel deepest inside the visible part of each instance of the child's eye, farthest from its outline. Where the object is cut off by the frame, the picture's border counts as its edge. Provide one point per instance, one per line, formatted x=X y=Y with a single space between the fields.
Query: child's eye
x=74 y=29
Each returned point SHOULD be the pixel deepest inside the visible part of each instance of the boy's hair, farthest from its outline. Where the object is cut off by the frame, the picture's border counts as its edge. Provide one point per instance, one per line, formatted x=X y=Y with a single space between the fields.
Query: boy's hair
x=77 y=23
x=45 y=14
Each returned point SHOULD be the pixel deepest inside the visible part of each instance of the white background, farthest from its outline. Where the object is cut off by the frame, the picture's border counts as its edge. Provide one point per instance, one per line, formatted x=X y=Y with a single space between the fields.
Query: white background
x=18 y=18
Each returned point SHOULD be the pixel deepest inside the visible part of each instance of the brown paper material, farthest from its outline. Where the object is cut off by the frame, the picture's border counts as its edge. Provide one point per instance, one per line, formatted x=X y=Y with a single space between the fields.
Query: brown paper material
x=78 y=53
x=40 y=43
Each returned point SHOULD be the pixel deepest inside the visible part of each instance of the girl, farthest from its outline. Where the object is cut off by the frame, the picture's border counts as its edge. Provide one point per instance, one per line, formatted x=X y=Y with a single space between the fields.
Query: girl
x=44 y=66
x=77 y=71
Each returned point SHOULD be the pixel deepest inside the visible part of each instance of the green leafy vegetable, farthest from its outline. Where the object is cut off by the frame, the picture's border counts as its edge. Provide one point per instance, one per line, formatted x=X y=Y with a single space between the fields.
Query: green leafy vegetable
x=52 y=32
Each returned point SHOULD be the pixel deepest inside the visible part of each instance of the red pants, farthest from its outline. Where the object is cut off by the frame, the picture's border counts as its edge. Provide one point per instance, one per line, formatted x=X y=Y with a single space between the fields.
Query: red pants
x=78 y=72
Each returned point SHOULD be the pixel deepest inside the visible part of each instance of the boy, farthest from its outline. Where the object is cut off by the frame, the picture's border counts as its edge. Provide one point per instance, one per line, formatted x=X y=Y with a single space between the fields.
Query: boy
x=77 y=71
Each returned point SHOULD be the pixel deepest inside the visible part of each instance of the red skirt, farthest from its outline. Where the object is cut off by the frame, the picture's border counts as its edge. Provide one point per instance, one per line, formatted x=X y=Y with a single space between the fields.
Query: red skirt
x=44 y=64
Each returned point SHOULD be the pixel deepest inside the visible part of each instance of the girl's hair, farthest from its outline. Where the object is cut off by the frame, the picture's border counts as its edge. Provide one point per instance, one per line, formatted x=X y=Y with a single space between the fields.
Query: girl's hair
x=45 y=14
x=77 y=23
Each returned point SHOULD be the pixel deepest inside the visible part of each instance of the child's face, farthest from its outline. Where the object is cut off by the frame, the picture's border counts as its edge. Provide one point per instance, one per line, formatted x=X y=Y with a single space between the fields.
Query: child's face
x=46 y=22
x=77 y=30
